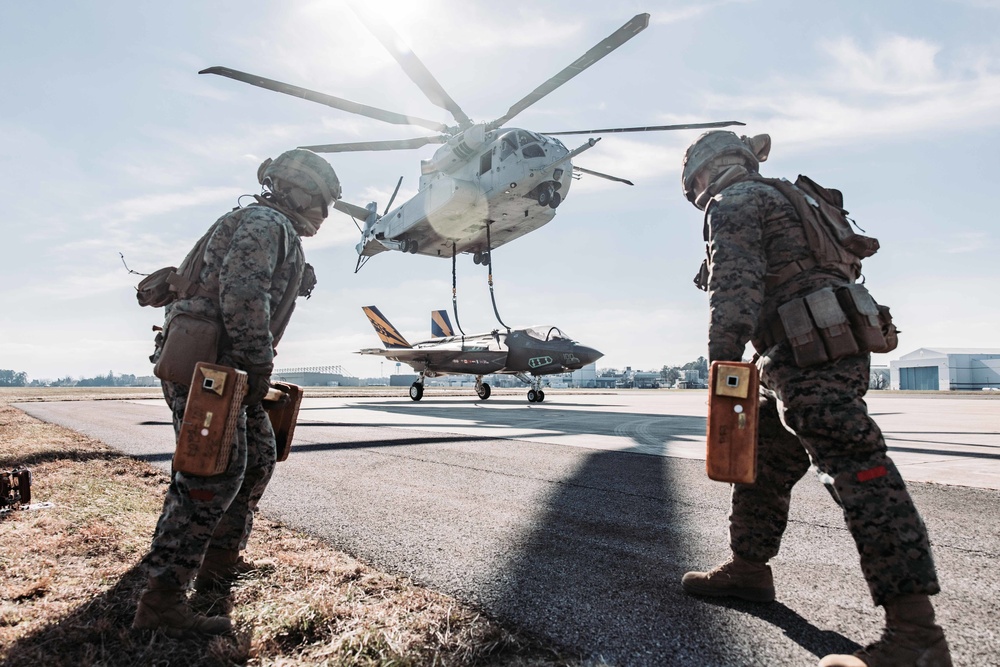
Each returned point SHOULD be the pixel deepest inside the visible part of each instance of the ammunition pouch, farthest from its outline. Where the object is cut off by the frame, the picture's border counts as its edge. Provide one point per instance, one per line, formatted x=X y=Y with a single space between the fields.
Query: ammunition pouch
x=799 y=329
x=831 y=324
x=187 y=339
x=889 y=330
x=154 y=290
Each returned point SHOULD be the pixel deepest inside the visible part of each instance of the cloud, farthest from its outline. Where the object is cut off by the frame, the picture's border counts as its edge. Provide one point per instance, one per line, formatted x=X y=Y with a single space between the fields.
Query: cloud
x=896 y=66
x=666 y=16
x=967 y=242
x=145 y=206
x=894 y=88
x=979 y=4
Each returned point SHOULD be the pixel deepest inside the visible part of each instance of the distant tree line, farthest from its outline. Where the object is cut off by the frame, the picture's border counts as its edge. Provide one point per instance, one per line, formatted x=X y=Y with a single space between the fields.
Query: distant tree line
x=9 y=378
x=13 y=378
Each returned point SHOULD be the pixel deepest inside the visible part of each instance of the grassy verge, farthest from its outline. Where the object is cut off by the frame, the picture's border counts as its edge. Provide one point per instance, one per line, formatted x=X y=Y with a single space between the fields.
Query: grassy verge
x=69 y=578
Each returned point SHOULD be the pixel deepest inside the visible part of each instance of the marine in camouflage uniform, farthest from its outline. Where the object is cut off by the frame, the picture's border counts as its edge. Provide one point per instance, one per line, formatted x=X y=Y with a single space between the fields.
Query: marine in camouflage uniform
x=252 y=260
x=814 y=415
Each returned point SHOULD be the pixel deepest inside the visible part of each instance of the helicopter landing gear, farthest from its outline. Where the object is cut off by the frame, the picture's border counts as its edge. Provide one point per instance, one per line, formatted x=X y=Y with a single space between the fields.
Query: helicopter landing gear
x=545 y=195
x=556 y=200
x=481 y=258
x=416 y=390
x=409 y=246
x=482 y=389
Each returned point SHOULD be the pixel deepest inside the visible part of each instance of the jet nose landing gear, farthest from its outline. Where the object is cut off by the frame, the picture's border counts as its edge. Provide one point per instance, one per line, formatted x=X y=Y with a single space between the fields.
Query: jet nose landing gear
x=536 y=395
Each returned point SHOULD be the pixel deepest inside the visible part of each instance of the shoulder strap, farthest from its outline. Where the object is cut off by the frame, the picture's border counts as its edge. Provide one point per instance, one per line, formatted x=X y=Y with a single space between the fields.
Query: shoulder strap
x=185 y=279
x=825 y=246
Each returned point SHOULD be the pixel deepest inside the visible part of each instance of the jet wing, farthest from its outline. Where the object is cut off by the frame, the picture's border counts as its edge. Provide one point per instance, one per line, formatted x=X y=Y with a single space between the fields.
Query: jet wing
x=408 y=355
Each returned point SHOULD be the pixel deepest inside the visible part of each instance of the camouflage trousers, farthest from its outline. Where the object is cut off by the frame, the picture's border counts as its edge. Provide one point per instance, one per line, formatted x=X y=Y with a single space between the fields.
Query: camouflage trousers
x=216 y=511
x=818 y=414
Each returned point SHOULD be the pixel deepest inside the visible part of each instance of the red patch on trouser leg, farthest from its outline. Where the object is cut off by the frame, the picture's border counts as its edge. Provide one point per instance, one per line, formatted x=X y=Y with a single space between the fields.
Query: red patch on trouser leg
x=201 y=494
x=872 y=473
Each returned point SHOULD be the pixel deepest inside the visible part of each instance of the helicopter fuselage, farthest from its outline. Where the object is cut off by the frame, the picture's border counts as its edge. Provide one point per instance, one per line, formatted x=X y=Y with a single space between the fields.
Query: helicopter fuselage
x=510 y=179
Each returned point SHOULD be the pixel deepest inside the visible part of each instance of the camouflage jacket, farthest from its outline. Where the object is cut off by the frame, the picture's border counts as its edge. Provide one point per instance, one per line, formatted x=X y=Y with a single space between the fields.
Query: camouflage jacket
x=753 y=232
x=253 y=257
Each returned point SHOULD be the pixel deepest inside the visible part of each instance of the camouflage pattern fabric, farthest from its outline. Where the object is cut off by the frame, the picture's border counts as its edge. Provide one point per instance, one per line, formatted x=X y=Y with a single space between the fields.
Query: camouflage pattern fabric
x=253 y=257
x=807 y=415
x=217 y=511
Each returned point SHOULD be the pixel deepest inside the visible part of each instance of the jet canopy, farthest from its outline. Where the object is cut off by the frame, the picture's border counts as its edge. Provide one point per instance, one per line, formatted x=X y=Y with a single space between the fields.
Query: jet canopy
x=545 y=332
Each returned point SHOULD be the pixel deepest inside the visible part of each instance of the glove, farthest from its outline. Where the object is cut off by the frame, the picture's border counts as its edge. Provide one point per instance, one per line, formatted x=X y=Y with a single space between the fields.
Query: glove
x=257 y=386
x=258 y=380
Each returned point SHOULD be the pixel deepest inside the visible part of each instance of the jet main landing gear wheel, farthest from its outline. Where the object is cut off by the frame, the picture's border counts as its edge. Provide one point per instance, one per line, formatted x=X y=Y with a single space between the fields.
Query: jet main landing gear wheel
x=483 y=391
x=416 y=391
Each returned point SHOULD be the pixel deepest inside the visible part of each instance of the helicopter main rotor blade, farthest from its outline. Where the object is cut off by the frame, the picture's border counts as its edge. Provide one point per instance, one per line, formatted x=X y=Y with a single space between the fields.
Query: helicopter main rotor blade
x=636 y=25
x=600 y=175
x=652 y=128
x=391 y=145
x=328 y=100
x=408 y=60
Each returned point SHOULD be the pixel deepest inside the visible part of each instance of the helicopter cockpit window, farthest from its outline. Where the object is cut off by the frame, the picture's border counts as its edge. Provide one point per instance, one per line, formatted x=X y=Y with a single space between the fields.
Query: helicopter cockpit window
x=532 y=150
x=546 y=333
x=529 y=144
x=508 y=144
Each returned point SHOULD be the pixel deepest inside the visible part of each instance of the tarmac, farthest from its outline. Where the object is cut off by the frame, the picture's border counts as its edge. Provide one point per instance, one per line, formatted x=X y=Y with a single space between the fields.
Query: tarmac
x=574 y=519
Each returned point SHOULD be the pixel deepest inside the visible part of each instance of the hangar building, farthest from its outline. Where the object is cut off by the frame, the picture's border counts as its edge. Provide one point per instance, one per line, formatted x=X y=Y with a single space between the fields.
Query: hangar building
x=946 y=369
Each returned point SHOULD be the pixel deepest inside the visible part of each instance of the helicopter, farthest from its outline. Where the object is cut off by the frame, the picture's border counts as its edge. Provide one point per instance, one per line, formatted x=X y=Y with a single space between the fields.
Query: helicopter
x=488 y=184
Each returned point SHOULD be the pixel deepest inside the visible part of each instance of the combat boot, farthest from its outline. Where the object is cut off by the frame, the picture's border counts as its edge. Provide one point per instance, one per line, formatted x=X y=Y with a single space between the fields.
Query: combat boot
x=737 y=577
x=165 y=608
x=221 y=567
x=911 y=639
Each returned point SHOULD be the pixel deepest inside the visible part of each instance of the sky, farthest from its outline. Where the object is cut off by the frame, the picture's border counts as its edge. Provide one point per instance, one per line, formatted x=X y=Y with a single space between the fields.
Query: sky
x=112 y=144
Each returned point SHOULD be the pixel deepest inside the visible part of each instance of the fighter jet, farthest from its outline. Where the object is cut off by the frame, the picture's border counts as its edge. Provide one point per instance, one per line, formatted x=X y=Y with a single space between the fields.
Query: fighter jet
x=527 y=353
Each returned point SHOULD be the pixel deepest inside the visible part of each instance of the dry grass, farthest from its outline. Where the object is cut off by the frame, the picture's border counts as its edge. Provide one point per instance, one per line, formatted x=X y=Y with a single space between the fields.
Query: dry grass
x=69 y=578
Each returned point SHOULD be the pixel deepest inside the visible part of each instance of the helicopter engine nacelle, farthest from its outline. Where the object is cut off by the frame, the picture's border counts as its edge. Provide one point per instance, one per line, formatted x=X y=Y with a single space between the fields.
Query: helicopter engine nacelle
x=459 y=150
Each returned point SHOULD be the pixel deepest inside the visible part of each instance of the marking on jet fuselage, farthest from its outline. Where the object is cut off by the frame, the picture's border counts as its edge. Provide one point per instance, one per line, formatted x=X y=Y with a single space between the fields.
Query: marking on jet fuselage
x=537 y=362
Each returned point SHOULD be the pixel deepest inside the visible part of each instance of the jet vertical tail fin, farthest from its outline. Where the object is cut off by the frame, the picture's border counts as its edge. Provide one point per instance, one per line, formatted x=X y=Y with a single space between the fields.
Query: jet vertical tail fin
x=440 y=324
x=389 y=334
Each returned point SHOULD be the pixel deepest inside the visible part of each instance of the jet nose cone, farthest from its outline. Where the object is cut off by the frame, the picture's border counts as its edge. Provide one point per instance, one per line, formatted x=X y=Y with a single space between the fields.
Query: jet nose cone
x=587 y=355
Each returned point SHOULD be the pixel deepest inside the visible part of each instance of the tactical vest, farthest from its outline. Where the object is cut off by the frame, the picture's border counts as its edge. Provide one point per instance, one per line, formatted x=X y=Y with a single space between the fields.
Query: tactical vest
x=831 y=235
x=169 y=284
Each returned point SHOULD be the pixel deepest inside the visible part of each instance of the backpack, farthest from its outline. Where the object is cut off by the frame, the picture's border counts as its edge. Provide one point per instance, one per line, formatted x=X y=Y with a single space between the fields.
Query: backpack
x=830 y=233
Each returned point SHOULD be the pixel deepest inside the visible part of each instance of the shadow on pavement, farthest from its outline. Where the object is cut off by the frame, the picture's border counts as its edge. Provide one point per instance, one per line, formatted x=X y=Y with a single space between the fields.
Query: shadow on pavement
x=799 y=630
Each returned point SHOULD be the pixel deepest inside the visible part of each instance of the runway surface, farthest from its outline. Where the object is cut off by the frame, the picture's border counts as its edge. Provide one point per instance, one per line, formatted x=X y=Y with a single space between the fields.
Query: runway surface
x=576 y=518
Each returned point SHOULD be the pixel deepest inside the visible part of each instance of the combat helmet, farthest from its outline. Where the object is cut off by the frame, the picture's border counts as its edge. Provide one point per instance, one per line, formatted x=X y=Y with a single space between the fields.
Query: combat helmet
x=300 y=179
x=718 y=143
